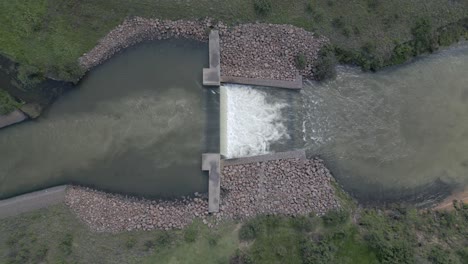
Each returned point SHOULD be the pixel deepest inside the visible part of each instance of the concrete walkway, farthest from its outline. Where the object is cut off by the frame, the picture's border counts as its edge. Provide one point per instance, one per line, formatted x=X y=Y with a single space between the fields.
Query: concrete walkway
x=12 y=118
x=296 y=154
x=295 y=85
x=32 y=201
x=211 y=76
x=211 y=163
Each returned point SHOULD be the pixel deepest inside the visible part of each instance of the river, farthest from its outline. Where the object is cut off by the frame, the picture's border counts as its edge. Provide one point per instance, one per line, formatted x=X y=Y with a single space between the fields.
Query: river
x=399 y=135
x=139 y=123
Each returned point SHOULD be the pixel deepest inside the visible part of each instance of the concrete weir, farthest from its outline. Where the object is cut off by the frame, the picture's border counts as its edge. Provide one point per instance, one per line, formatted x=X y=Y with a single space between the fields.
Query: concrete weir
x=211 y=162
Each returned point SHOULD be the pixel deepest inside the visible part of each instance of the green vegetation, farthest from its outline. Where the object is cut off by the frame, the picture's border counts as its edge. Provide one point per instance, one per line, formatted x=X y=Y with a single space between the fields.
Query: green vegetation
x=301 y=61
x=394 y=235
x=262 y=7
x=325 y=66
x=7 y=103
x=54 y=235
x=48 y=36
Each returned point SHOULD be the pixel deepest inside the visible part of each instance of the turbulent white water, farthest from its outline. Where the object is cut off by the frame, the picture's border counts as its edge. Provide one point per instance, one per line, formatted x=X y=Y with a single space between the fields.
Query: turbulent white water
x=249 y=123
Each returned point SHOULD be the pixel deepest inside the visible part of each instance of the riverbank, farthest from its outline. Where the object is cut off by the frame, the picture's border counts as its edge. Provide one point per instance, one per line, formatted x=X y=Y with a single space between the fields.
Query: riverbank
x=262 y=51
x=57 y=33
x=56 y=235
x=282 y=187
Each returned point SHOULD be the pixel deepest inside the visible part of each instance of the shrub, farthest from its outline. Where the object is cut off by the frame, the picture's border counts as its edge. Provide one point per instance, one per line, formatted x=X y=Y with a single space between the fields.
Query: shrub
x=66 y=244
x=315 y=11
x=401 y=53
x=317 y=252
x=422 y=34
x=440 y=256
x=213 y=240
x=335 y=217
x=190 y=234
x=325 y=66
x=346 y=32
x=262 y=7
x=240 y=258
x=251 y=230
x=302 y=223
x=149 y=244
x=40 y=254
x=338 y=22
x=29 y=76
x=301 y=61
x=164 y=239
x=373 y=4
x=130 y=242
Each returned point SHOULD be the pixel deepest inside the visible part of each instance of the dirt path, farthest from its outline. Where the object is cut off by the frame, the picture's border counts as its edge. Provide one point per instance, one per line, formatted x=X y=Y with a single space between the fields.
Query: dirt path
x=447 y=204
x=32 y=201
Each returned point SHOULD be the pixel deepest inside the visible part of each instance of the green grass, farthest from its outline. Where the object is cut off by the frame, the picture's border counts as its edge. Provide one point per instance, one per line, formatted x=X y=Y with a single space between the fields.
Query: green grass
x=50 y=35
x=54 y=235
x=211 y=246
x=396 y=235
x=7 y=103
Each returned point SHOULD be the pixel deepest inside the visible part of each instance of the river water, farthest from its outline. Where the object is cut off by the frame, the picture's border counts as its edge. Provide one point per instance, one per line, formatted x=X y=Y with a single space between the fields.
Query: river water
x=136 y=125
x=139 y=123
x=397 y=135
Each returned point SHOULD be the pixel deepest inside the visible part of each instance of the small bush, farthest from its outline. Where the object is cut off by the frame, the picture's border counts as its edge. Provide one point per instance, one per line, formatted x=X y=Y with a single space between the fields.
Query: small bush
x=240 y=258
x=301 y=61
x=325 y=66
x=130 y=243
x=164 y=239
x=40 y=254
x=318 y=252
x=262 y=7
x=338 y=22
x=302 y=223
x=190 y=234
x=251 y=230
x=315 y=11
x=356 y=30
x=346 y=32
x=373 y=4
x=422 y=34
x=29 y=76
x=440 y=256
x=335 y=217
x=402 y=53
x=66 y=244
x=149 y=244
x=213 y=240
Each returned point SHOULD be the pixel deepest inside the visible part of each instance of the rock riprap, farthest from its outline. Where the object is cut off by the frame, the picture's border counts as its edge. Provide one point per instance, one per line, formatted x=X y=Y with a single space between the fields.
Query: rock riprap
x=285 y=187
x=263 y=51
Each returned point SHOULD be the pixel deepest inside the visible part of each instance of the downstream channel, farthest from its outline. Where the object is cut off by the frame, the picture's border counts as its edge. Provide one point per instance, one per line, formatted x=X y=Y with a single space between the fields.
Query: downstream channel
x=397 y=135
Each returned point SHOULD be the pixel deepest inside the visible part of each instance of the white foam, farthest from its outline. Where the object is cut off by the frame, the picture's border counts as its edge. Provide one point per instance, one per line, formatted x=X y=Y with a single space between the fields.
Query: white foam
x=249 y=124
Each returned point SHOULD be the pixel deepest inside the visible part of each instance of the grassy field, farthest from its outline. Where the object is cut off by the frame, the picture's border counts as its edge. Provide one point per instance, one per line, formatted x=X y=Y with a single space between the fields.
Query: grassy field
x=396 y=235
x=48 y=36
x=54 y=235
